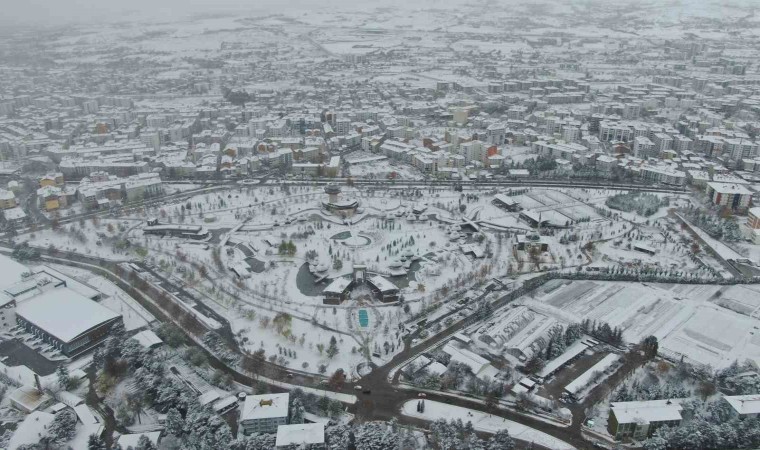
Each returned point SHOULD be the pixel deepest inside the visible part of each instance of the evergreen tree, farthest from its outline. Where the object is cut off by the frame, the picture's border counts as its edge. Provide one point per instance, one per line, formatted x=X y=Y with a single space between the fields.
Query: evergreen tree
x=297 y=412
x=175 y=424
x=338 y=437
x=650 y=346
x=95 y=442
x=64 y=379
x=501 y=441
x=145 y=444
x=332 y=349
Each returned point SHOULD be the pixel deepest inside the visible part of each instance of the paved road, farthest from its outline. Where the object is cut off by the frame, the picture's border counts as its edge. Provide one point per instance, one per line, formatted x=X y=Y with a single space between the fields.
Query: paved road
x=469 y=184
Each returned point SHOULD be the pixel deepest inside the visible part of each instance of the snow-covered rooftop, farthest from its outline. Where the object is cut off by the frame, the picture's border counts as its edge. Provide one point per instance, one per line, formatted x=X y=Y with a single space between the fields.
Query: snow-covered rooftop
x=337 y=286
x=131 y=440
x=209 y=397
x=148 y=339
x=729 y=188
x=11 y=271
x=64 y=313
x=382 y=284
x=584 y=379
x=647 y=411
x=744 y=404
x=300 y=434
x=479 y=365
x=265 y=406
x=574 y=350
x=31 y=430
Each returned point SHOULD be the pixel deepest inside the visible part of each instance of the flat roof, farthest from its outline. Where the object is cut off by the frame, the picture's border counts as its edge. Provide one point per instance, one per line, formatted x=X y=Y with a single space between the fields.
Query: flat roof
x=382 y=284
x=29 y=397
x=85 y=415
x=64 y=313
x=209 y=397
x=337 y=286
x=148 y=339
x=11 y=271
x=744 y=404
x=265 y=406
x=78 y=286
x=729 y=188
x=647 y=411
x=31 y=429
x=300 y=434
x=505 y=199
x=466 y=357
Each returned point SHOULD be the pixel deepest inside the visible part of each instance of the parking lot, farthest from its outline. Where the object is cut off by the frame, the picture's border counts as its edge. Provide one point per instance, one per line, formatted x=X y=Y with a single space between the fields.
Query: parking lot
x=15 y=353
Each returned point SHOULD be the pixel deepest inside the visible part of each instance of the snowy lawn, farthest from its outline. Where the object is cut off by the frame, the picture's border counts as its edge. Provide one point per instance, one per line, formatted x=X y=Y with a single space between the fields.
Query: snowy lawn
x=483 y=422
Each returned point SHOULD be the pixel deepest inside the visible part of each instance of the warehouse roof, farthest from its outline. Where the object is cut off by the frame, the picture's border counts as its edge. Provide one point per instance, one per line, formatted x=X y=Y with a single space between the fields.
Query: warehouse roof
x=64 y=314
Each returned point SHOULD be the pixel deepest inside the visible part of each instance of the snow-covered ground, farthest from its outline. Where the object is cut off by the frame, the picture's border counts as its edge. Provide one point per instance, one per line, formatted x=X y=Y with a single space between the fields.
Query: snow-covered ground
x=483 y=422
x=385 y=235
x=689 y=319
x=114 y=298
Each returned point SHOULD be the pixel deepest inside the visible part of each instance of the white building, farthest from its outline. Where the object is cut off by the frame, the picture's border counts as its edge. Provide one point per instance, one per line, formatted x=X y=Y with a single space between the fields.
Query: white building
x=639 y=420
x=480 y=366
x=744 y=406
x=263 y=413
x=732 y=195
x=298 y=435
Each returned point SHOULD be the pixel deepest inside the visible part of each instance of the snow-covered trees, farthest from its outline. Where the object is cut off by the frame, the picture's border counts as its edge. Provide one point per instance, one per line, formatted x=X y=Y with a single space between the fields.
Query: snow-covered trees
x=220 y=348
x=573 y=332
x=501 y=441
x=61 y=430
x=95 y=442
x=296 y=411
x=332 y=349
x=454 y=435
x=175 y=424
x=145 y=444
x=338 y=437
x=717 y=227
x=727 y=378
x=650 y=346
x=603 y=331
x=642 y=203
x=255 y=442
x=315 y=404
x=556 y=345
x=204 y=430
x=287 y=248
x=649 y=390
x=65 y=381
x=376 y=436
x=707 y=431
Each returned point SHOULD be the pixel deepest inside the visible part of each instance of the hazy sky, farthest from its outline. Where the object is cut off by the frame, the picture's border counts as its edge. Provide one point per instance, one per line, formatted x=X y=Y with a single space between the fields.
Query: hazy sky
x=61 y=12
x=54 y=12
